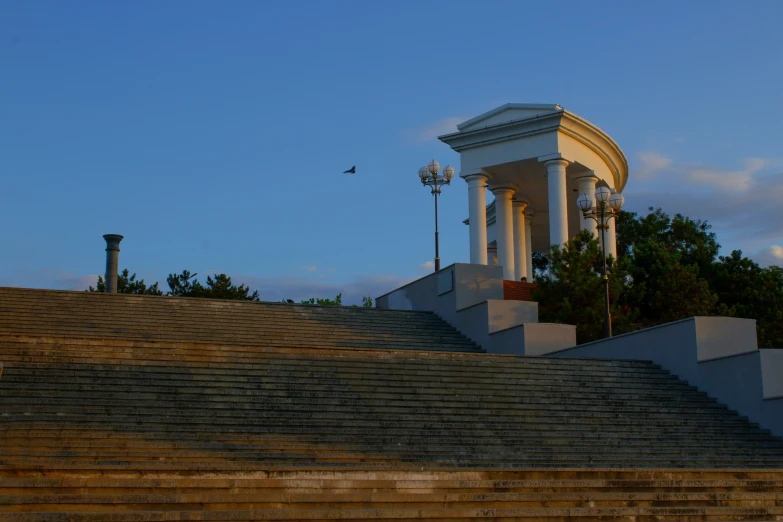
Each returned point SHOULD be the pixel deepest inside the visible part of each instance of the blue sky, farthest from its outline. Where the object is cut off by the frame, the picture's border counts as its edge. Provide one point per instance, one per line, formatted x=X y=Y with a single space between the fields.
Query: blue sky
x=213 y=135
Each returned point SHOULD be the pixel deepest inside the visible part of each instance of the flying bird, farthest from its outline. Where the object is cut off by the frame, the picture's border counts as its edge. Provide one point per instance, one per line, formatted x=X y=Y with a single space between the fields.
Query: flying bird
x=352 y=170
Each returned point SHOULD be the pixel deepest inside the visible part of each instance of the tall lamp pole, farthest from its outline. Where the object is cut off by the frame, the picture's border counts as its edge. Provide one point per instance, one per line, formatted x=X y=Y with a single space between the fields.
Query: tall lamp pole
x=608 y=206
x=430 y=178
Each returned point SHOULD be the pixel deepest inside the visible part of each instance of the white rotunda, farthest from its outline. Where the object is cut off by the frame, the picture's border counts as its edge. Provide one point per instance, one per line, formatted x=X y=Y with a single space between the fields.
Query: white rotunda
x=537 y=160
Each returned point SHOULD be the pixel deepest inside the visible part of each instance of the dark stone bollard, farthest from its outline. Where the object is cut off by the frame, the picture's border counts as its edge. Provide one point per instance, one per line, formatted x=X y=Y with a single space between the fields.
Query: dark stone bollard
x=112 y=261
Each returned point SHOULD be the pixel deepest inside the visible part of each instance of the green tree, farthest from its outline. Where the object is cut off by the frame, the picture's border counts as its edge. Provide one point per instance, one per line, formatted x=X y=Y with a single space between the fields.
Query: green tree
x=337 y=301
x=127 y=284
x=540 y=264
x=690 y=239
x=219 y=287
x=574 y=292
x=746 y=290
x=670 y=265
x=664 y=289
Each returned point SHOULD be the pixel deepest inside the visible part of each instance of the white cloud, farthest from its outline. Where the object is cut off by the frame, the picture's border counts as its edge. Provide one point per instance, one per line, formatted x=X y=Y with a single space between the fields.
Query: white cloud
x=49 y=278
x=742 y=203
x=433 y=130
x=311 y=268
x=728 y=181
x=429 y=266
x=772 y=255
x=650 y=163
x=654 y=166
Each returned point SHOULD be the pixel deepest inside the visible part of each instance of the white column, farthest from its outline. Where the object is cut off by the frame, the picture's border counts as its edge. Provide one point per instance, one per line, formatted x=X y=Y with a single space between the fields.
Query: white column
x=477 y=218
x=558 y=201
x=505 y=230
x=520 y=240
x=611 y=237
x=587 y=186
x=529 y=245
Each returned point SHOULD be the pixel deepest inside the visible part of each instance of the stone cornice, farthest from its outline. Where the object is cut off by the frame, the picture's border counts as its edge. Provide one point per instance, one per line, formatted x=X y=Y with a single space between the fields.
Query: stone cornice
x=599 y=142
x=507 y=131
x=559 y=120
x=506 y=107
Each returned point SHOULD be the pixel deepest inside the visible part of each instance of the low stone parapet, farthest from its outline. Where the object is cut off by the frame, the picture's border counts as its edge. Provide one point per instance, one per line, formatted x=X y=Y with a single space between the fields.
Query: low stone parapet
x=487 y=309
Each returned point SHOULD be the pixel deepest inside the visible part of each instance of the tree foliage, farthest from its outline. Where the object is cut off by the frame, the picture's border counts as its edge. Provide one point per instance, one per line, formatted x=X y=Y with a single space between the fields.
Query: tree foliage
x=573 y=292
x=667 y=269
x=127 y=284
x=337 y=301
x=218 y=287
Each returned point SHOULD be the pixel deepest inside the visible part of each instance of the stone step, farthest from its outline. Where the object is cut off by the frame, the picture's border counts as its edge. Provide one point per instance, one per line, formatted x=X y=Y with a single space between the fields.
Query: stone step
x=380 y=462
x=403 y=396
x=275 y=372
x=63 y=443
x=551 y=408
x=382 y=422
x=533 y=415
x=303 y=401
x=298 y=366
x=385 y=499
x=134 y=364
x=400 y=480
x=628 y=449
x=139 y=317
x=429 y=513
x=14 y=379
x=82 y=319
x=361 y=394
x=66 y=436
x=337 y=381
x=426 y=513
x=254 y=358
x=352 y=357
x=576 y=430
x=328 y=485
x=314 y=343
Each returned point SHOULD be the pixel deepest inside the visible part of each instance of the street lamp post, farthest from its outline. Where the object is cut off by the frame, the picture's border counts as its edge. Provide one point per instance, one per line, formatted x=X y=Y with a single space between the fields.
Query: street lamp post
x=429 y=177
x=608 y=207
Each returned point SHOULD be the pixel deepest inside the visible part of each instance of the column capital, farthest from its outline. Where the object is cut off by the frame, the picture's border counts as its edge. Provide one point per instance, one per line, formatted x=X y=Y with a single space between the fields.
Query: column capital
x=588 y=176
x=113 y=241
x=503 y=189
x=521 y=205
x=474 y=177
x=553 y=159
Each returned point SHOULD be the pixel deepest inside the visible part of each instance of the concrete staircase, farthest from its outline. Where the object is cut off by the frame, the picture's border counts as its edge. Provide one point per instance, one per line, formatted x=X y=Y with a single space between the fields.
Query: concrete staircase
x=285 y=415
x=546 y=495
x=273 y=325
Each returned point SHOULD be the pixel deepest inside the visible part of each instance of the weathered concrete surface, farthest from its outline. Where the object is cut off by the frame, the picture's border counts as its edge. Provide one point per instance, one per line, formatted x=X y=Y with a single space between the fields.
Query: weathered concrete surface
x=546 y=495
x=301 y=413
x=719 y=355
x=533 y=339
x=112 y=316
x=471 y=285
x=474 y=305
